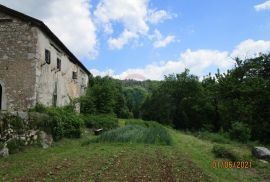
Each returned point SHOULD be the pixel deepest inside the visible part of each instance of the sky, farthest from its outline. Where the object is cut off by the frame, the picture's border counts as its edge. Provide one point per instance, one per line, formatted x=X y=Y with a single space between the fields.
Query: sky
x=147 y=39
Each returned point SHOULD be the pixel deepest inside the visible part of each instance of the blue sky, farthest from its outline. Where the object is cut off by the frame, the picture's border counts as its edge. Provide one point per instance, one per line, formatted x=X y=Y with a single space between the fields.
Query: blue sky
x=151 y=38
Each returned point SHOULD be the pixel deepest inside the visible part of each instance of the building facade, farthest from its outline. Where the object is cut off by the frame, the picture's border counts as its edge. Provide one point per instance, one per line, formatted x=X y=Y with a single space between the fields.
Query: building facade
x=35 y=66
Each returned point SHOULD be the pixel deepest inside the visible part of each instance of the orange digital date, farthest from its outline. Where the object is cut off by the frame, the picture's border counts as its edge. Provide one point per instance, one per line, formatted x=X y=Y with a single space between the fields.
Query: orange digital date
x=231 y=164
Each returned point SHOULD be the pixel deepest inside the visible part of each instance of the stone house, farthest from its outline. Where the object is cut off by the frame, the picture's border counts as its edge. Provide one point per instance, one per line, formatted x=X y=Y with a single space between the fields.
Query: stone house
x=35 y=66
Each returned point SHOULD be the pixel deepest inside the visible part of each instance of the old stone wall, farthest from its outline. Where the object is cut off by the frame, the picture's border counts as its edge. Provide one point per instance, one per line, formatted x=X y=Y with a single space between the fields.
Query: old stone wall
x=25 y=77
x=57 y=86
x=18 y=42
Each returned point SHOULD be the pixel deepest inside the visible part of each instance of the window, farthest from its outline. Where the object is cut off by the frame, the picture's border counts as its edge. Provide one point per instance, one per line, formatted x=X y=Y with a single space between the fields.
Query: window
x=47 y=56
x=58 y=64
x=74 y=75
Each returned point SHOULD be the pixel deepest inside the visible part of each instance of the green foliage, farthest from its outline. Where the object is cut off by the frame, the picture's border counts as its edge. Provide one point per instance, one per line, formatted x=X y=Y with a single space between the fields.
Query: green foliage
x=179 y=101
x=240 y=132
x=137 y=133
x=1 y=145
x=214 y=137
x=15 y=145
x=14 y=121
x=107 y=122
x=60 y=122
x=242 y=94
x=221 y=151
x=135 y=97
x=39 y=121
x=64 y=123
x=38 y=108
x=104 y=96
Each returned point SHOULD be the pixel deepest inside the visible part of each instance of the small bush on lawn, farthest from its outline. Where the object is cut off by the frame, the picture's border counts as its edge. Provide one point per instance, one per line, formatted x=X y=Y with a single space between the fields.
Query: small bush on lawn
x=15 y=145
x=107 y=122
x=214 y=137
x=222 y=151
x=154 y=134
x=240 y=132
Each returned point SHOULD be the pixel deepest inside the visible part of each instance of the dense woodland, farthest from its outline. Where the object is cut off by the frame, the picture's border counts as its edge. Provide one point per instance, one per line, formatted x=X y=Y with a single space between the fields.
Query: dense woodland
x=237 y=102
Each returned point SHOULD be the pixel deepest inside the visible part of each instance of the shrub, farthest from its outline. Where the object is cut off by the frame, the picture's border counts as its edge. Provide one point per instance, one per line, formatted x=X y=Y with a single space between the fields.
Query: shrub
x=14 y=145
x=15 y=122
x=39 y=121
x=227 y=152
x=107 y=122
x=133 y=133
x=60 y=122
x=64 y=123
x=240 y=132
x=38 y=108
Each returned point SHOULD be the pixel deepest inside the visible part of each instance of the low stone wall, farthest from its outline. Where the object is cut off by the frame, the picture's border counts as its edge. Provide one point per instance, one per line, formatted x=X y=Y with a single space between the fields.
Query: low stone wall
x=17 y=131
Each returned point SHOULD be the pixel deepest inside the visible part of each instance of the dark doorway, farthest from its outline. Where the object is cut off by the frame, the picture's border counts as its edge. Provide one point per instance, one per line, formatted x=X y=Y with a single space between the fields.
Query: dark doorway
x=0 y=97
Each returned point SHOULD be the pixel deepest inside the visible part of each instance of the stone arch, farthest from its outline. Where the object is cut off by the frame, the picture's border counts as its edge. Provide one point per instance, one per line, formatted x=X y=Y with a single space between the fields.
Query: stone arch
x=3 y=99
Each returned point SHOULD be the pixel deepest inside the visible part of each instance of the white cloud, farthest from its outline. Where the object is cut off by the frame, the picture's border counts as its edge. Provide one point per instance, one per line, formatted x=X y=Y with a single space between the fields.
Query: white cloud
x=198 y=61
x=263 y=6
x=108 y=72
x=250 y=48
x=118 y=43
x=69 y=20
x=159 y=16
x=160 y=41
x=133 y=15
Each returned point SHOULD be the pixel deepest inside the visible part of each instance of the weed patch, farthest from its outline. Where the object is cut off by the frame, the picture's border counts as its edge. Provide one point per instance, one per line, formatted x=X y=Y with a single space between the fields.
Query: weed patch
x=134 y=133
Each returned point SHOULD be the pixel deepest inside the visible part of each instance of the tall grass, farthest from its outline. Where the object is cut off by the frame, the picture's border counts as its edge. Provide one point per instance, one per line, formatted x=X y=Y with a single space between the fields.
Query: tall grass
x=139 y=132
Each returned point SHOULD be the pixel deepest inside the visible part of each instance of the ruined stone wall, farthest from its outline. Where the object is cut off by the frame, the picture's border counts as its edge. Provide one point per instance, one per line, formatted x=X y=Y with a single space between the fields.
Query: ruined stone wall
x=18 y=41
x=53 y=82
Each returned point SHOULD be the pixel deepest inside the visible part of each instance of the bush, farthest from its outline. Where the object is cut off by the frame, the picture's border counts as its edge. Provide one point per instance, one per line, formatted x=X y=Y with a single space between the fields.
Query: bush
x=227 y=152
x=15 y=145
x=60 y=122
x=38 y=108
x=64 y=123
x=133 y=133
x=107 y=122
x=15 y=122
x=39 y=121
x=240 y=132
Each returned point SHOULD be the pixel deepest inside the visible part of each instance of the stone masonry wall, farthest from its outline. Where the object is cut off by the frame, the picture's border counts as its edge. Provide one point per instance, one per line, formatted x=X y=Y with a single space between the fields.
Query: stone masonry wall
x=18 y=41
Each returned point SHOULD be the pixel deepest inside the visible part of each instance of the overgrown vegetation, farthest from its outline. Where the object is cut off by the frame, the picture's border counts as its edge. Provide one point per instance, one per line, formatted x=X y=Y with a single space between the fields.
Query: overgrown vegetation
x=214 y=137
x=59 y=122
x=106 y=122
x=137 y=132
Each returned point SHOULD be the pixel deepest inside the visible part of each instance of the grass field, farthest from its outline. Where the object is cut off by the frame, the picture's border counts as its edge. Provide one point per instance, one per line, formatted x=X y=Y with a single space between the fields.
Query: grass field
x=186 y=159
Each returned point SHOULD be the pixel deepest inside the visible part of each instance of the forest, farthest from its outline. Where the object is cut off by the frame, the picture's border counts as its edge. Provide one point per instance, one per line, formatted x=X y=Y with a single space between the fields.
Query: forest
x=236 y=103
